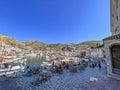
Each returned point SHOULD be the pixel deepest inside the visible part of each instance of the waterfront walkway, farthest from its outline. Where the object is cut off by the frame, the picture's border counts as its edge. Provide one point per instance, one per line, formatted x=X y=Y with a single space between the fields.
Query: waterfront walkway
x=66 y=81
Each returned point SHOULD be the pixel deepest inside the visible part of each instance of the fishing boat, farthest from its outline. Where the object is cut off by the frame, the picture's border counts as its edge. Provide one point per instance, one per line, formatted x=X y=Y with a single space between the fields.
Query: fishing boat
x=10 y=62
x=11 y=65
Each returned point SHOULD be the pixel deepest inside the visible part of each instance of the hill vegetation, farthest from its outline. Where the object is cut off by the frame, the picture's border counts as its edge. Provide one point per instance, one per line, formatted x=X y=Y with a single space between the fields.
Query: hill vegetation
x=11 y=42
x=92 y=44
x=37 y=45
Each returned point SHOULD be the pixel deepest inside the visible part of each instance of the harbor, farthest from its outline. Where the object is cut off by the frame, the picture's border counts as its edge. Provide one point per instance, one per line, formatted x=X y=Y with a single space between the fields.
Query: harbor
x=70 y=79
x=60 y=45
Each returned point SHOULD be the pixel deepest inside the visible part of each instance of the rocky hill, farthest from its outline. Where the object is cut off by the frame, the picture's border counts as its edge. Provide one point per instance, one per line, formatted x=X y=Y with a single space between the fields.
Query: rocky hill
x=37 y=45
x=92 y=44
x=11 y=42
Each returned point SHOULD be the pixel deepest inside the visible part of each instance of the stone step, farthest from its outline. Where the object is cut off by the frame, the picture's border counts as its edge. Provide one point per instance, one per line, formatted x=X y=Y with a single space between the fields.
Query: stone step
x=116 y=71
x=115 y=76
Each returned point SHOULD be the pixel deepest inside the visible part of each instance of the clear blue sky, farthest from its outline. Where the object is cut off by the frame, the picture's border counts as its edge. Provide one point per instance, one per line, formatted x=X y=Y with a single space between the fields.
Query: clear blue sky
x=55 y=21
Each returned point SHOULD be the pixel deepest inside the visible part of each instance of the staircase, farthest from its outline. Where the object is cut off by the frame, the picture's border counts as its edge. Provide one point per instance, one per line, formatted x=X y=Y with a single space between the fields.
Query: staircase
x=115 y=74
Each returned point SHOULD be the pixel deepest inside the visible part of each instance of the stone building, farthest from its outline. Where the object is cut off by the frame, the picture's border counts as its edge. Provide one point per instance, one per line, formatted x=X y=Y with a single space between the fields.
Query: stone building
x=112 y=43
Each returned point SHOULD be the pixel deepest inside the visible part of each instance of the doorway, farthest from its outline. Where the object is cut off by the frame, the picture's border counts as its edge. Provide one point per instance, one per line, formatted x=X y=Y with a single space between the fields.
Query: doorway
x=115 y=54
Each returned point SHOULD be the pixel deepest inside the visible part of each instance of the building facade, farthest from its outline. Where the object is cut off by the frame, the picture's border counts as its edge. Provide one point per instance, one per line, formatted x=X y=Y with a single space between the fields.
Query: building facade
x=112 y=43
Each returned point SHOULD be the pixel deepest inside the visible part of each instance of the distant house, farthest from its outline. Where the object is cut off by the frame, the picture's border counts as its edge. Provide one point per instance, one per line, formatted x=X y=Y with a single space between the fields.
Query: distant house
x=112 y=43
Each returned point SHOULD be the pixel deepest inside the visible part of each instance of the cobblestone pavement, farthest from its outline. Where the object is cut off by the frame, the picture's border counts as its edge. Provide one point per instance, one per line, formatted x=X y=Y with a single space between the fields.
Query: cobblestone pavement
x=67 y=81
x=104 y=84
x=9 y=85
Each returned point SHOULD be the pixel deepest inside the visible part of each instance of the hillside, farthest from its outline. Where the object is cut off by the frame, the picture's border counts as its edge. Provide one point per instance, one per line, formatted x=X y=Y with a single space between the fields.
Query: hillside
x=90 y=44
x=11 y=42
x=37 y=45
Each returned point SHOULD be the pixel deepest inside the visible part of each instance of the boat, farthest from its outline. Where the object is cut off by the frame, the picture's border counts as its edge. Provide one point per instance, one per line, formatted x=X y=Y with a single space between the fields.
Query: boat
x=11 y=63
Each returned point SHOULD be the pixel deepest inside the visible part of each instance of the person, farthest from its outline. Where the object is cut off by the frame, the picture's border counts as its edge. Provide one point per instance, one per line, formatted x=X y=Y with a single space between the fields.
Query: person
x=60 y=68
x=74 y=68
x=27 y=67
x=53 y=64
x=56 y=68
x=53 y=69
x=99 y=65
x=67 y=66
x=63 y=63
x=44 y=77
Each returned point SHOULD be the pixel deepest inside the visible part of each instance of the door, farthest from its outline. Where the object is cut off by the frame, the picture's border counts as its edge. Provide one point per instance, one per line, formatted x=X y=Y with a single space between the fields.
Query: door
x=115 y=52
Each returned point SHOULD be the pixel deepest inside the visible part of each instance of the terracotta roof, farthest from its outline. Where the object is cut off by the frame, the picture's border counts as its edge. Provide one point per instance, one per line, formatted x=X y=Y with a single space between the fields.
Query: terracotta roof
x=112 y=37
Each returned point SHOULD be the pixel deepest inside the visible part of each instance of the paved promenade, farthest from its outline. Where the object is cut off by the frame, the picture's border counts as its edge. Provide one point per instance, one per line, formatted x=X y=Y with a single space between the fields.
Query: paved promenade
x=66 y=81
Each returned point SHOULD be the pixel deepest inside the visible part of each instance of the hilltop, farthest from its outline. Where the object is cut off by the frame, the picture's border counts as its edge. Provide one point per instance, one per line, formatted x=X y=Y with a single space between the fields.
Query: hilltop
x=90 y=44
x=37 y=45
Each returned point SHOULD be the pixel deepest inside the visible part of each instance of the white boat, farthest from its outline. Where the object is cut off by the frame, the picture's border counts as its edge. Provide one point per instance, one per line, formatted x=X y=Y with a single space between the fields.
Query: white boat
x=12 y=67
x=10 y=62
x=31 y=54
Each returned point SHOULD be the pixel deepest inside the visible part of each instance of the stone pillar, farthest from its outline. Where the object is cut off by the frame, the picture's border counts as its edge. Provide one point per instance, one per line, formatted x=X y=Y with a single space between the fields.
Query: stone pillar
x=108 y=60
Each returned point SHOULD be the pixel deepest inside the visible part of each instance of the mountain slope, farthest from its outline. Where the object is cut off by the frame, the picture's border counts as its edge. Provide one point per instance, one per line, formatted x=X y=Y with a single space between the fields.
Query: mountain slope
x=11 y=42
x=37 y=45
x=90 y=43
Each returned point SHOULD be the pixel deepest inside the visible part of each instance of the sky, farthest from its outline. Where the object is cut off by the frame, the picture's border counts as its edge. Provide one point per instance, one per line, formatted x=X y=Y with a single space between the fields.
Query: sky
x=55 y=21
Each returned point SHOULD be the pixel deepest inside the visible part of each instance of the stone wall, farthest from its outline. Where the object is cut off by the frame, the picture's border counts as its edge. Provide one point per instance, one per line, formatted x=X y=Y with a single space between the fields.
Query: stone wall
x=115 y=16
x=107 y=46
